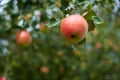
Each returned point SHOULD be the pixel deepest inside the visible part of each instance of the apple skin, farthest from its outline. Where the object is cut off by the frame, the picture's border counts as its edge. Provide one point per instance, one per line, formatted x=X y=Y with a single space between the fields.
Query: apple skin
x=74 y=28
x=2 y=78
x=23 y=38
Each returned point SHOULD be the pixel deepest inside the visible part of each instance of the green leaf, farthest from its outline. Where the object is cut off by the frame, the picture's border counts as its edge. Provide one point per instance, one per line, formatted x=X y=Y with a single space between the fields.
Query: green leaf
x=92 y=19
x=85 y=5
x=82 y=42
x=88 y=16
x=97 y=21
x=5 y=26
x=91 y=25
x=56 y=23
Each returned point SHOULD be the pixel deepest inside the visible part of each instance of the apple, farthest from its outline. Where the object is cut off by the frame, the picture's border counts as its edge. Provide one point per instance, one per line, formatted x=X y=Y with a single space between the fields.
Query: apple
x=2 y=78
x=23 y=38
x=44 y=69
x=74 y=28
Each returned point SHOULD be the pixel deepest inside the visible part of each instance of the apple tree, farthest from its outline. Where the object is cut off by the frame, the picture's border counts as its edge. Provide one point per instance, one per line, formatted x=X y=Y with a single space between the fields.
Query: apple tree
x=34 y=42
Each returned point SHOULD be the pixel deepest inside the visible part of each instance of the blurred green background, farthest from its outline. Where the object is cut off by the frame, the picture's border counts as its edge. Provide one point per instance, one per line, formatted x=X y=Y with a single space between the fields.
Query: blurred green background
x=50 y=56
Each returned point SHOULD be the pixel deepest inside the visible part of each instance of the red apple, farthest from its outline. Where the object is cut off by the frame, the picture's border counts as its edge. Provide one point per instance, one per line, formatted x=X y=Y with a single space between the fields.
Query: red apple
x=23 y=38
x=74 y=28
x=2 y=78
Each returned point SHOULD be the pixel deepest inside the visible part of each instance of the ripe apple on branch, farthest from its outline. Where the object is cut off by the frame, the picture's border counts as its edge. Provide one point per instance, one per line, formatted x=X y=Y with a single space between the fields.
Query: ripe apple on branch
x=74 y=28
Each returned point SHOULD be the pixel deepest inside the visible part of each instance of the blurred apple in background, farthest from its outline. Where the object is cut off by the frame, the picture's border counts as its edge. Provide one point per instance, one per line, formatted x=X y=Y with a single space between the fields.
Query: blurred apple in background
x=2 y=78
x=23 y=38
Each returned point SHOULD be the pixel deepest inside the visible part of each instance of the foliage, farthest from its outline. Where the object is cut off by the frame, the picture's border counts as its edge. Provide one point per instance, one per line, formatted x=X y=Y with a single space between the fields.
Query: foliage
x=50 y=57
